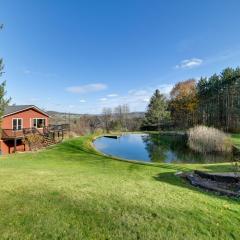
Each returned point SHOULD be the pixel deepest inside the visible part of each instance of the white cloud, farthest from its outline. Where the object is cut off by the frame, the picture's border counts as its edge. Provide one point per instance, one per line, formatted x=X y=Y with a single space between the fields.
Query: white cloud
x=190 y=63
x=112 y=95
x=103 y=99
x=82 y=100
x=94 y=87
x=165 y=88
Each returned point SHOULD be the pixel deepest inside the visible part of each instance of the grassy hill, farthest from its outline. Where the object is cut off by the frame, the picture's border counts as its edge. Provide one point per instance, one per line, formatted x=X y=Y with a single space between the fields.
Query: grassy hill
x=71 y=192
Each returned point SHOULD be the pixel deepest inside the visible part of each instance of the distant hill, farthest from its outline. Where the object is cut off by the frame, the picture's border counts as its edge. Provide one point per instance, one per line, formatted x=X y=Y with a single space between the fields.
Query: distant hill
x=137 y=114
x=62 y=114
x=55 y=114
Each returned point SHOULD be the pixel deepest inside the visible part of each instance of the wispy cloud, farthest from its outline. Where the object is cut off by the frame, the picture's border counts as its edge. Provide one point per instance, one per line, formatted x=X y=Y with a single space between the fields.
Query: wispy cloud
x=34 y=99
x=82 y=100
x=137 y=99
x=42 y=74
x=112 y=95
x=163 y=88
x=94 y=87
x=190 y=63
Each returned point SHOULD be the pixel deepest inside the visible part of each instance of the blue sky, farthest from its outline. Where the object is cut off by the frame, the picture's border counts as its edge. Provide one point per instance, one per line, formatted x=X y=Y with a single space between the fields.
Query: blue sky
x=80 y=56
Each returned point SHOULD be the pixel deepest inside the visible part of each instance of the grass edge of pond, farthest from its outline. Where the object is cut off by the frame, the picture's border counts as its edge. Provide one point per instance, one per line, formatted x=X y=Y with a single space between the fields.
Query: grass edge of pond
x=185 y=167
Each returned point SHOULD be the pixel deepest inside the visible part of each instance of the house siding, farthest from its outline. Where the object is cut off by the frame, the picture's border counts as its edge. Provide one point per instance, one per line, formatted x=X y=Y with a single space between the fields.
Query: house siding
x=6 y=148
x=26 y=116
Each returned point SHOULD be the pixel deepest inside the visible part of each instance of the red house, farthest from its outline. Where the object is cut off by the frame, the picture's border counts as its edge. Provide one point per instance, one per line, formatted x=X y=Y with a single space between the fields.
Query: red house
x=18 y=121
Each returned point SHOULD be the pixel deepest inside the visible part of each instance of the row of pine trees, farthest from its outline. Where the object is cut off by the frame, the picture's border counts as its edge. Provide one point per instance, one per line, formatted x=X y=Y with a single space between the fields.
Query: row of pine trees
x=219 y=100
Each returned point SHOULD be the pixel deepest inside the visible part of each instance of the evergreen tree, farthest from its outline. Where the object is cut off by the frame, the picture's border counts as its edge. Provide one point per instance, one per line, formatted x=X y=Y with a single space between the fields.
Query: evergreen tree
x=3 y=101
x=157 y=111
x=219 y=100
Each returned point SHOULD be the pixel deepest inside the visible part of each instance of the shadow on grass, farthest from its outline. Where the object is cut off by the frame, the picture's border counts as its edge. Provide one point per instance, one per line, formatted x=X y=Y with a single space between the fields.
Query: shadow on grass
x=85 y=149
x=81 y=147
x=170 y=178
x=75 y=147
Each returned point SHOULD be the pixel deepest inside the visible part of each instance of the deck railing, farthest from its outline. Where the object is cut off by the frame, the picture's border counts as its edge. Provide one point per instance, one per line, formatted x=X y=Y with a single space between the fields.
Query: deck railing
x=58 y=127
x=11 y=133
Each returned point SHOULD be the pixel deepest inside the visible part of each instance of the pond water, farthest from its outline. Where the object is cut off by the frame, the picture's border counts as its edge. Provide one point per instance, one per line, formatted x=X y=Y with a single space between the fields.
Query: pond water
x=154 y=148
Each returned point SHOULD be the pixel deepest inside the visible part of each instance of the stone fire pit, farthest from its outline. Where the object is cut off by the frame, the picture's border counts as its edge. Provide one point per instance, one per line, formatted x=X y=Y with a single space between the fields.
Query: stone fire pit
x=222 y=183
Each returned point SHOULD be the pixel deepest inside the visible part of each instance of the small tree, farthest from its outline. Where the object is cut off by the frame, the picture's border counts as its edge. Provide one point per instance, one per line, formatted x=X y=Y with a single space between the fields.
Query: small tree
x=157 y=110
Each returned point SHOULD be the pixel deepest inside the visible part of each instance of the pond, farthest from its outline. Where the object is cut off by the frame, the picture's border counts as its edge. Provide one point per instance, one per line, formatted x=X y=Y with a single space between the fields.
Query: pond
x=154 y=148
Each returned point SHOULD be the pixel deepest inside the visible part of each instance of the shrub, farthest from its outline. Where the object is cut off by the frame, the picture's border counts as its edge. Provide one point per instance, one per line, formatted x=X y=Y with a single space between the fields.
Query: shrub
x=208 y=139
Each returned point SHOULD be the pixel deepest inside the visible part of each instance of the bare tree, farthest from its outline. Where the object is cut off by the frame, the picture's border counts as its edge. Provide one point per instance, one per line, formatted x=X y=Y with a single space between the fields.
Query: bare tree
x=106 y=118
x=94 y=122
x=121 y=115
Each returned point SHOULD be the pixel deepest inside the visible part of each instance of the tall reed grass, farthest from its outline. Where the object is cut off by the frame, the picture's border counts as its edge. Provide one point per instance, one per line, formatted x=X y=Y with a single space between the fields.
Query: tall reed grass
x=208 y=139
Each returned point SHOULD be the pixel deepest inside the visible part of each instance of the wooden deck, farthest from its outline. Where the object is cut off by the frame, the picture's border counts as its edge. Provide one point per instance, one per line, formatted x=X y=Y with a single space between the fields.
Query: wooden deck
x=19 y=134
x=50 y=131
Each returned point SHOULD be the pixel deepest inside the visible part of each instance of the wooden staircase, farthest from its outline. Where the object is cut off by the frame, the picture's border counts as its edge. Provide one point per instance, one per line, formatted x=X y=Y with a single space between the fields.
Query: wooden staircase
x=38 y=139
x=47 y=140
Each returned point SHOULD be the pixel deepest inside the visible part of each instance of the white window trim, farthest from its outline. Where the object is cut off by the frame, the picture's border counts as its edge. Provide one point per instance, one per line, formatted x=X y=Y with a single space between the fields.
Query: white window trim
x=32 y=122
x=17 y=124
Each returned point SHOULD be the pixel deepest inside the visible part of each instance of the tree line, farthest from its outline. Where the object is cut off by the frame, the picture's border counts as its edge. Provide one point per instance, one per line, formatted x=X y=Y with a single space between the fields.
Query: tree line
x=219 y=100
x=213 y=101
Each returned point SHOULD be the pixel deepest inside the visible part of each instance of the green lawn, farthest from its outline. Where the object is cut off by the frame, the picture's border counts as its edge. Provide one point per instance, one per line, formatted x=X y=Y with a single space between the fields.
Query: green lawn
x=236 y=140
x=71 y=192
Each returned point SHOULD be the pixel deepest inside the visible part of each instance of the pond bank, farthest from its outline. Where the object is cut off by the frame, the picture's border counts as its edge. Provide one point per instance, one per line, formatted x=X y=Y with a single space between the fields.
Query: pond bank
x=154 y=148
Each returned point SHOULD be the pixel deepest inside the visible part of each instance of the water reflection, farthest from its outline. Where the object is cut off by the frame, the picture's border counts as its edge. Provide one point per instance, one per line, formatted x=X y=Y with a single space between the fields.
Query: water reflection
x=155 y=148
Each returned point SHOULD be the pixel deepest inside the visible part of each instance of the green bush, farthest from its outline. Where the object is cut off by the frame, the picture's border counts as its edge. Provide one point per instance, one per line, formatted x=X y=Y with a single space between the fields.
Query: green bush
x=208 y=139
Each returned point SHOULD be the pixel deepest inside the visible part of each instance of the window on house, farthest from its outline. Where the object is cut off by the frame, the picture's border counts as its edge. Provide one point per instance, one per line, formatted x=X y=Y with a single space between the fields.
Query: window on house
x=17 y=124
x=39 y=122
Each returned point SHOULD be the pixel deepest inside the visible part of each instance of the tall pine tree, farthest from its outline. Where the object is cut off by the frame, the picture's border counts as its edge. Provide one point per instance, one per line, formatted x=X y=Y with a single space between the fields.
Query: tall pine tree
x=157 y=112
x=3 y=101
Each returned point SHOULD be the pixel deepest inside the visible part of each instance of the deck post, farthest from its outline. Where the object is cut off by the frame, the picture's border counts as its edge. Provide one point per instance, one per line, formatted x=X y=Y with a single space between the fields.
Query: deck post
x=15 y=145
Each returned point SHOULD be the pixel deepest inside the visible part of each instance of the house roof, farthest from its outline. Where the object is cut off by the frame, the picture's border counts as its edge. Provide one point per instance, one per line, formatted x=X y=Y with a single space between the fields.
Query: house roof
x=9 y=110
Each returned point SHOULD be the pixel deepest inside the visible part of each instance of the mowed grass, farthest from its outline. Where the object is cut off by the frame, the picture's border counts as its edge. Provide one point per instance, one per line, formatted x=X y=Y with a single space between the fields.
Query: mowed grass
x=72 y=192
x=236 y=140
